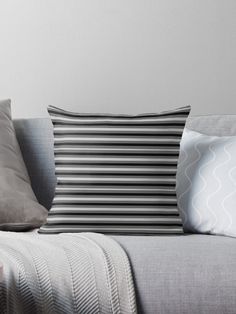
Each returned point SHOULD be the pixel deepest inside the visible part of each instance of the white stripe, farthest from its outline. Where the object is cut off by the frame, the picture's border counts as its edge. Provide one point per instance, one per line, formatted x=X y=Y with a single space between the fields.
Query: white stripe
x=114 y=199
x=168 y=140
x=131 y=219
x=113 y=209
x=117 y=159
x=119 y=130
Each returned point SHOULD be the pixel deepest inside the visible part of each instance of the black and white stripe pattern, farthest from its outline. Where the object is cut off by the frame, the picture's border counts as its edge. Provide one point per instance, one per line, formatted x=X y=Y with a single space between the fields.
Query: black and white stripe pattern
x=116 y=173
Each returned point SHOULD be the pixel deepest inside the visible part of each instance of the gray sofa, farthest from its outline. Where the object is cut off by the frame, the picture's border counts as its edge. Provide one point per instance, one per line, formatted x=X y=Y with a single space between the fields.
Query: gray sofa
x=172 y=274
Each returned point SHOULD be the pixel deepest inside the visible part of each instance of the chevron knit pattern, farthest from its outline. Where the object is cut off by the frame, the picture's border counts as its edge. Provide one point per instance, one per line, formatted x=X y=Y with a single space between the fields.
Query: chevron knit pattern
x=81 y=273
x=206 y=183
x=116 y=173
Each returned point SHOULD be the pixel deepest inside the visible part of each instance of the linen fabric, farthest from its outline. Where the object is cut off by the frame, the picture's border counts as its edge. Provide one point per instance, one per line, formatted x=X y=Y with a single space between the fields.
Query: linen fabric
x=19 y=209
x=206 y=183
x=116 y=173
x=193 y=273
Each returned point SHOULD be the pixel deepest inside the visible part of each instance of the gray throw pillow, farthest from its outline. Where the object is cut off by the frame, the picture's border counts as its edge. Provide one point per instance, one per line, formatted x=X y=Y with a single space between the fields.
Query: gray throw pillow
x=19 y=208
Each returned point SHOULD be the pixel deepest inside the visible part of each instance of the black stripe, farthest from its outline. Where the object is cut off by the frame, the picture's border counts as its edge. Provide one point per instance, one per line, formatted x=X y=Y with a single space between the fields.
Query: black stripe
x=113 y=124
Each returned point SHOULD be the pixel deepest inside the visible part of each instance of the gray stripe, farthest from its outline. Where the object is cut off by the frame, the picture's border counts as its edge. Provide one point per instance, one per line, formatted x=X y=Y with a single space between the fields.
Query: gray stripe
x=81 y=169
x=116 y=150
x=126 y=219
x=117 y=140
x=116 y=160
x=64 y=189
x=116 y=131
x=90 y=121
x=135 y=229
x=114 y=200
x=116 y=180
x=121 y=209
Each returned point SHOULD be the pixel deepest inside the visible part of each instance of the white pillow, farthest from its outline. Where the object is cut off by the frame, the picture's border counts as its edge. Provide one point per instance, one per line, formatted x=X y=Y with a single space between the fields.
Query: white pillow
x=206 y=183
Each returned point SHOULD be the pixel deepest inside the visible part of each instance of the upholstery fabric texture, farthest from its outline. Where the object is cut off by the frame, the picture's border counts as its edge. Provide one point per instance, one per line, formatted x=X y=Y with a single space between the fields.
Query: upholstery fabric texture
x=183 y=274
x=206 y=183
x=116 y=173
x=19 y=208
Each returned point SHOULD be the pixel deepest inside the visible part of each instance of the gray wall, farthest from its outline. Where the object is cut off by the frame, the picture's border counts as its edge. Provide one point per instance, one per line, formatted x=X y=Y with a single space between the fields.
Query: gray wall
x=118 y=55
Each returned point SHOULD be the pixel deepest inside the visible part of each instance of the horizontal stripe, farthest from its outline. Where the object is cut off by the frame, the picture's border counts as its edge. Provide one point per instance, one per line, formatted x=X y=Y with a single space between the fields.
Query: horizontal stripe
x=165 y=122
x=104 y=219
x=117 y=140
x=109 y=189
x=116 y=160
x=114 y=170
x=135 y=131
x=130 y=229
x=113 y=200
x=133 y=209
x=116 y=180
x=65 y=149
x=115 y=190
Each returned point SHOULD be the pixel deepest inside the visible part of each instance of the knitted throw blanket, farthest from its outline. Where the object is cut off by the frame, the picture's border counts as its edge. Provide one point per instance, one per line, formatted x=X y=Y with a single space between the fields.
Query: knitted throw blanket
x=81 y=273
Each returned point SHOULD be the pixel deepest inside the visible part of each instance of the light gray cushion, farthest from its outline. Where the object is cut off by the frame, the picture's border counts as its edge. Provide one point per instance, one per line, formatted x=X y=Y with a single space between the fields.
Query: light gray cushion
x=19 y=209
x=183 y=274
x=218 y=125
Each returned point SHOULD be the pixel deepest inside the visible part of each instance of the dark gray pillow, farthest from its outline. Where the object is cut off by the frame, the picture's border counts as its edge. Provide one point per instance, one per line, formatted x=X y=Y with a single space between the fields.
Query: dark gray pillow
x=19 y=208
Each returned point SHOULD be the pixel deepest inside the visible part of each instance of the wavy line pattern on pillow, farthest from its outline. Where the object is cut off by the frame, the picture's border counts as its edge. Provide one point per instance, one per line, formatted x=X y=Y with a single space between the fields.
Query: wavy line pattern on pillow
x=206 y=183
x=186 y=163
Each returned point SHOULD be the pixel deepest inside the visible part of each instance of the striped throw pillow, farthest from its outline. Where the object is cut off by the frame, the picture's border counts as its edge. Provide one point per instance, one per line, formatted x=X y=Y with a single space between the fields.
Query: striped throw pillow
x=116 y=173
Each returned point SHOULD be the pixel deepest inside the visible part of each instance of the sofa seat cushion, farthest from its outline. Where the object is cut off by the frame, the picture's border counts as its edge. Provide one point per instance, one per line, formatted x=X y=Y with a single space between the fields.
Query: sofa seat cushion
x=183 y=274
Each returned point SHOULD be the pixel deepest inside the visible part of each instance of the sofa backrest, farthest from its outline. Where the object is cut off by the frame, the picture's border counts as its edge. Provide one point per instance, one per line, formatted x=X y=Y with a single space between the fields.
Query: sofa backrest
x=35 y=137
